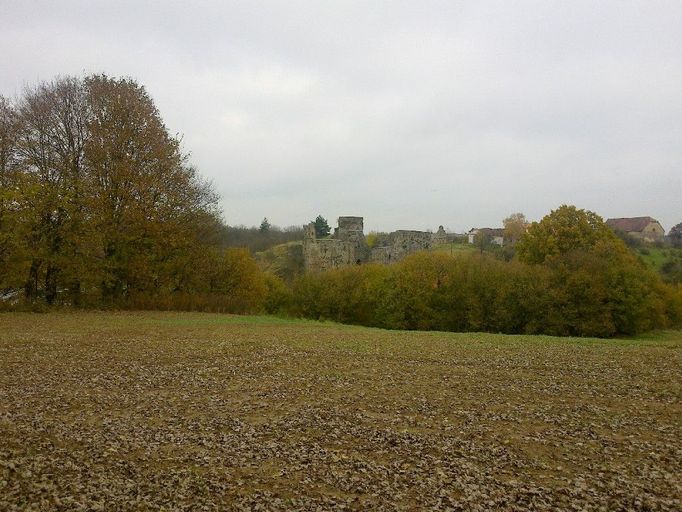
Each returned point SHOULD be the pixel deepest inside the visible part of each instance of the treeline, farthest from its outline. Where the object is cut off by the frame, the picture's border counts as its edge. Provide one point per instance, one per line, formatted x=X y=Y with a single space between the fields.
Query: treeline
x=100 y=207
x=257 y=239
x=572 y=277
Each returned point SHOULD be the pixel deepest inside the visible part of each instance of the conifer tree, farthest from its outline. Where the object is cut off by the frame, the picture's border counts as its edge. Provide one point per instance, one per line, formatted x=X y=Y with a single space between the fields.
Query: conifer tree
x=322 y=228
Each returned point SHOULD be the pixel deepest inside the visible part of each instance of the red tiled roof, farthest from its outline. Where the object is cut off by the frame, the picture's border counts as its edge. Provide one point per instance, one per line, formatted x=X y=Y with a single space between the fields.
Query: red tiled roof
x=631 y=224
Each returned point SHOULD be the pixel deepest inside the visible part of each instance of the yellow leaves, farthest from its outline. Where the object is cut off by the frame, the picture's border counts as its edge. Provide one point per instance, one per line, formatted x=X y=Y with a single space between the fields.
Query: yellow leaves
x=563 y=230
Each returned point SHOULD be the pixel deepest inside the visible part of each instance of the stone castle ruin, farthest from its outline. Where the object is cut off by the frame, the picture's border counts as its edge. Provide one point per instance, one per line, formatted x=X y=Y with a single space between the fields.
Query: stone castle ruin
x=347 y=246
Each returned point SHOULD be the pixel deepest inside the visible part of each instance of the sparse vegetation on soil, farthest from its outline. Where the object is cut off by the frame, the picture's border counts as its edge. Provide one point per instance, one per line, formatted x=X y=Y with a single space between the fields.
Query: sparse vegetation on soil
x=149 y=411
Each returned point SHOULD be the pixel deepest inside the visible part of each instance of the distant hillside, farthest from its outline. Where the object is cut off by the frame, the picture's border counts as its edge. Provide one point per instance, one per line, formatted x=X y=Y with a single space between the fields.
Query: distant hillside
x=283 y=260
x=257 y=240
x=667 y=261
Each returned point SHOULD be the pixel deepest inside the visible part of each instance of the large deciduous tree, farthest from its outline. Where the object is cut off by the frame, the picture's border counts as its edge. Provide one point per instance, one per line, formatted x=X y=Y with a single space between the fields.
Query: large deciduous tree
x=150 y=205
x=49 y=145
x=564 y=230
x=96 y=197
x=11 y=239
x=597 y=286
x=514 y=227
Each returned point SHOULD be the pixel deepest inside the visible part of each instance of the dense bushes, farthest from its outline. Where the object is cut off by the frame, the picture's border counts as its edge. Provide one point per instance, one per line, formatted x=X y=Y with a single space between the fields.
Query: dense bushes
x=225 y=281
x=582 y=295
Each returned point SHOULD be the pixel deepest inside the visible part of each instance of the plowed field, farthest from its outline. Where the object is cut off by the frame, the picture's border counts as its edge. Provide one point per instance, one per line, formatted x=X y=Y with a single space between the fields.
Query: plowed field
x=149 y=411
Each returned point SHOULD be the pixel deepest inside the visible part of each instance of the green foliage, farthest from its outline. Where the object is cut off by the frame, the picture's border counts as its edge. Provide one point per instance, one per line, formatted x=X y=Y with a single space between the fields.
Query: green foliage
x=322 y=228
x=237 y=276
x=596 y=285
x=483 y=241
x=675 y=235
x=264 y=226
x=671 y=270
x=232 y=283
x=376 y=239
x=461 y=246
x=604 y=292
x=666 y=261
x=583 y=293
x=278 y=296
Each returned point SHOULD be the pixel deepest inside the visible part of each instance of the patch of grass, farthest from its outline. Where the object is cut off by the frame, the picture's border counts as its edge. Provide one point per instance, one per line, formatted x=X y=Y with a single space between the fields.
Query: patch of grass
x=672 y=336
x=283 y=260
x=656 y=257
x=210 y=319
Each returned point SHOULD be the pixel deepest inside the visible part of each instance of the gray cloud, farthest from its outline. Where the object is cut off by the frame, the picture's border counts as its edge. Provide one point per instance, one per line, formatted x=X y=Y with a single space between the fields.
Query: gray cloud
x=413 y=114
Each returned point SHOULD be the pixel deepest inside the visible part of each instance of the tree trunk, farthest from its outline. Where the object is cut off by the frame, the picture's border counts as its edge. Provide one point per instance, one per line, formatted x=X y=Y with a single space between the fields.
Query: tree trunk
x=31 y=286
x=51 y=284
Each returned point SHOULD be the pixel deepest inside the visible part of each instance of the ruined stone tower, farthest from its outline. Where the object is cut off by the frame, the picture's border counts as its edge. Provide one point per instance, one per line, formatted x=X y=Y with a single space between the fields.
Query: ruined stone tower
x=346 y=247
x=351 y=229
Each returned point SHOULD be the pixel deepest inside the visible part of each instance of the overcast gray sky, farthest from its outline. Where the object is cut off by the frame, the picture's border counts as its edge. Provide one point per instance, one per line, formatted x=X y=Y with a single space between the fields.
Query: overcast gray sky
x=411 y=114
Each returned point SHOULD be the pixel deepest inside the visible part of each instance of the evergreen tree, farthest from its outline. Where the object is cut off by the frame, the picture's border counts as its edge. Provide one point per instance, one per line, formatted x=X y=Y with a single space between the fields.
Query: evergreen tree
x=264 y=226
x=322 y=228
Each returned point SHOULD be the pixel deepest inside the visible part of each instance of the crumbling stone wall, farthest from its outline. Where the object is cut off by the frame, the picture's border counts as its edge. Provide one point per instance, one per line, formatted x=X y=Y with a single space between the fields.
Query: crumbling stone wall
x=408 y=242
x=351 y=229
x=399 y=244
x=348 y=246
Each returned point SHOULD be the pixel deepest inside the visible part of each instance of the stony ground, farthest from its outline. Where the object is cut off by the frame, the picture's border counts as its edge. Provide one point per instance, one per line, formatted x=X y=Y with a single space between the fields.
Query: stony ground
x=149 y=411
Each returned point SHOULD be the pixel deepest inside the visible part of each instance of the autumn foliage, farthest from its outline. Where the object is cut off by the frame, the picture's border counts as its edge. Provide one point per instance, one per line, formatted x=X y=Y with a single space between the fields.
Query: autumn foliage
x=573 y=278
x=99 y=206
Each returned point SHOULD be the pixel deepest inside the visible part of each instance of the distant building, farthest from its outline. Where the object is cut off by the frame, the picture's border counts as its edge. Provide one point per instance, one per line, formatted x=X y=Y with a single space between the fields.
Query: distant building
x=644 y=228
x=495 y=235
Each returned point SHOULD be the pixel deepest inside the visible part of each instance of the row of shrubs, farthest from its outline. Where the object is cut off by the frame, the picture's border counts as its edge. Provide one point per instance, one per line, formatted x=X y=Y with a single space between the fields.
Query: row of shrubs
x=600 y=292
x=579 y=294
x=582 y=294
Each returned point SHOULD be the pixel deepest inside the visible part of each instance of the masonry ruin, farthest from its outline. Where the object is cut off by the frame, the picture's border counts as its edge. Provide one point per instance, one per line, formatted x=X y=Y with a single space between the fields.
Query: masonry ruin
x=347 y=246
